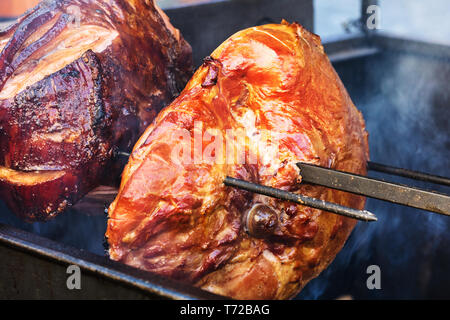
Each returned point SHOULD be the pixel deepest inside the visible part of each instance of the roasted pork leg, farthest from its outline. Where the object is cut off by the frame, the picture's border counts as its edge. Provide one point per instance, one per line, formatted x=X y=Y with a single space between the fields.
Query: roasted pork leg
x=78 y=81
x=270 y=92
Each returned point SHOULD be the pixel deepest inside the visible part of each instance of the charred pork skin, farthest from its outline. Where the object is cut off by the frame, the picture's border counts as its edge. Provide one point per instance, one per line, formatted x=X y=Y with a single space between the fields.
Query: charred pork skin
x=173 y=214
x=80 y=79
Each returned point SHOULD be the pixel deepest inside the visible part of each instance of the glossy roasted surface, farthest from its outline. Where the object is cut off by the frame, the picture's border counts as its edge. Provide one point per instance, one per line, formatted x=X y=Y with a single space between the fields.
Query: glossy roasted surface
x=173 y=214
x=78 y=81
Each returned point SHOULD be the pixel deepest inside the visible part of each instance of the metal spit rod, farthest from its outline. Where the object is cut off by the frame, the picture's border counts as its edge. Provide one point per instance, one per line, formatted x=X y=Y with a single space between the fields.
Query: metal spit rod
x=362 y=215
x=408 y=173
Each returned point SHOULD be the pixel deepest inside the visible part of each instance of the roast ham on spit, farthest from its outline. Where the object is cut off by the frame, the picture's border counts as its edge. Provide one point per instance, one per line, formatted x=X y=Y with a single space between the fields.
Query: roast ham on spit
x=173 y=214
x=80 y=79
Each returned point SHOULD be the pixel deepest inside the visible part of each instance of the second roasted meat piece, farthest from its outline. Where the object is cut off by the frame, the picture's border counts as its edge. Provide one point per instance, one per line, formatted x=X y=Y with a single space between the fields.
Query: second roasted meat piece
x=271 y=93
x=78 y=81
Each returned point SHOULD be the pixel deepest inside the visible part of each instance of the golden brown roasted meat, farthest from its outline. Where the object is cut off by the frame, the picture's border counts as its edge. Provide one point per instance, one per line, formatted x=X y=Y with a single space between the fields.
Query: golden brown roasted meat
x=80 y=79
x=174 y=216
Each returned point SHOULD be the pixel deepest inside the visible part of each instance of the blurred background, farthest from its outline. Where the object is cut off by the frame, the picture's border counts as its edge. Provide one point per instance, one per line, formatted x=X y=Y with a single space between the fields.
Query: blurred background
x=417 y=19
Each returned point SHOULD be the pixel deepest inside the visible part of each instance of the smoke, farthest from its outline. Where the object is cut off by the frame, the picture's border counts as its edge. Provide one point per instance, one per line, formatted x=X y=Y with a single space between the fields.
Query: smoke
x=405 y=102
x=75 y=228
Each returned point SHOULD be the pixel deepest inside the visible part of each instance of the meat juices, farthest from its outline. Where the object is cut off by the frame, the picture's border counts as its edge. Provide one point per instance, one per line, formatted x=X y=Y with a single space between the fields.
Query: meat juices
x=80 y=79
x=175 y=217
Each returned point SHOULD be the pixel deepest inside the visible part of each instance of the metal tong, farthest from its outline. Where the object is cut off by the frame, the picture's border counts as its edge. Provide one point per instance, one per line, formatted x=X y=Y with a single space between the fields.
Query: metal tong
x=360 y=185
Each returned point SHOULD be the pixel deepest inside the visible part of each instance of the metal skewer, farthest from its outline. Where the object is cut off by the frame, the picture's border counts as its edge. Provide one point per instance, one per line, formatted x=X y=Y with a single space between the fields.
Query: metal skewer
x=300 y=199
x=408 y=173
x=122 y=154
